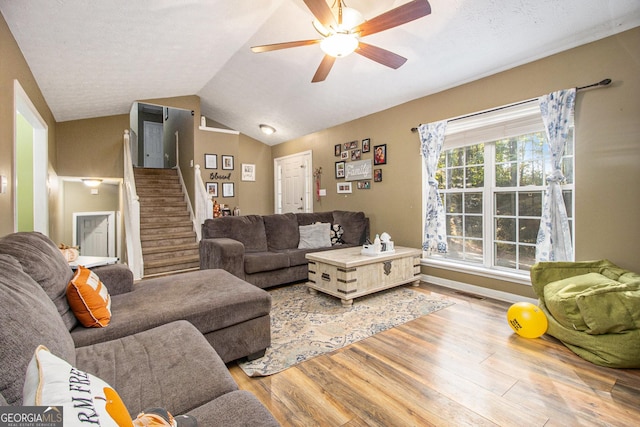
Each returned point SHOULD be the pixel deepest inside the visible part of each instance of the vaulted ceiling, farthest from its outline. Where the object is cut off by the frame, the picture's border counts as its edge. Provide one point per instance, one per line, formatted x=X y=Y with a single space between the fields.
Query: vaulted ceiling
x=95 y=58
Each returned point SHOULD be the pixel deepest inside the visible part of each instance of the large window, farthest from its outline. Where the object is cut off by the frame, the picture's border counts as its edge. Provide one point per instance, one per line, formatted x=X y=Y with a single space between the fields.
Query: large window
x=492 y=184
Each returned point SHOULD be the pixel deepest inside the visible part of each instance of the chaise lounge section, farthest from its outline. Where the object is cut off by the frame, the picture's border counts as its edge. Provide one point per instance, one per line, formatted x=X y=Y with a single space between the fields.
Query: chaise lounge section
x=161 y=348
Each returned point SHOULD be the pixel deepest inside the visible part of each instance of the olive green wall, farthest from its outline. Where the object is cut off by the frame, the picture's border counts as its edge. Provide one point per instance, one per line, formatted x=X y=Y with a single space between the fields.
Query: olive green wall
x=607 y=151
x=14 y=67
x=24 y=175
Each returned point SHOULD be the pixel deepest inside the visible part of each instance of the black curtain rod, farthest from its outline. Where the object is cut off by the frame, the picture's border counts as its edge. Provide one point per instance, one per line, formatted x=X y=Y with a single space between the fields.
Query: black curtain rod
x=605 y=82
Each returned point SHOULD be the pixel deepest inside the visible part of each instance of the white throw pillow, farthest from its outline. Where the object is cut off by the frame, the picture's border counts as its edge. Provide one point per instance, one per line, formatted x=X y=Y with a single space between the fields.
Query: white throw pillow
x=315 y=236
x=86 y=399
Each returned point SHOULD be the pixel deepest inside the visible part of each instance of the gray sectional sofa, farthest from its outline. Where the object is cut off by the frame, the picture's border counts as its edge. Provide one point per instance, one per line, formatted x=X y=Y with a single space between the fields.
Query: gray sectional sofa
x=166 y=345
x=265 y=250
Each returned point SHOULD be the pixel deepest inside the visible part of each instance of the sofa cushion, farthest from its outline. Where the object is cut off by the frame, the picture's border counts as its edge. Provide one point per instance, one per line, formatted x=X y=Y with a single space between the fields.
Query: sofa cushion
x=257 y=262
x=51 y=381
x=306 y=218
x=354 y=225
x=281 y=230
x=42 y=260
x=247 y=229
x=315 y=236
x=171 y=366
x=237 y=408
x=28 y=318
x=89 y=299
x=209 y=299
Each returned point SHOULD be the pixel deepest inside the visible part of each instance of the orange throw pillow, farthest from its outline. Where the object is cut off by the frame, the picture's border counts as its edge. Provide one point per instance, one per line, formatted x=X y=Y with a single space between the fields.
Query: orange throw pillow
x=89 y=299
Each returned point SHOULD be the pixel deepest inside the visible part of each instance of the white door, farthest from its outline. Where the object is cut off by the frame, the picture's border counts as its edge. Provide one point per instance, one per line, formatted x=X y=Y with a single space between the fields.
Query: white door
x=94 y=233
x=153 y=151
x=293 y=183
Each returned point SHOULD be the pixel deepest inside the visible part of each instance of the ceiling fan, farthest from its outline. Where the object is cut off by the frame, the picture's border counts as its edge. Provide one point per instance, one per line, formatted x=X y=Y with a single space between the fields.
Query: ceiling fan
x=341 y=36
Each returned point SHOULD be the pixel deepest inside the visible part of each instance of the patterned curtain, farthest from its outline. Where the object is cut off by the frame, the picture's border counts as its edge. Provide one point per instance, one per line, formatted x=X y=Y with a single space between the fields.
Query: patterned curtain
x=554 y=236
x=435 y=231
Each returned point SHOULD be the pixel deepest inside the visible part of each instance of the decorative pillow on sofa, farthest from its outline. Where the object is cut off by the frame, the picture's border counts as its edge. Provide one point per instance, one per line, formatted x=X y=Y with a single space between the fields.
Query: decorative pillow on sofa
x=315 y=236
x=336 y=235
x=86 y=399
x=89 y=299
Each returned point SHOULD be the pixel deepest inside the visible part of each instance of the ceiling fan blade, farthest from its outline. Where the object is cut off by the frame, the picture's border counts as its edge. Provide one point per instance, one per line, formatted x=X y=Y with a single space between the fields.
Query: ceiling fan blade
x=400 y=15
x=322 y=12
x=381 y=56
x=323 y=69
x=285 y=45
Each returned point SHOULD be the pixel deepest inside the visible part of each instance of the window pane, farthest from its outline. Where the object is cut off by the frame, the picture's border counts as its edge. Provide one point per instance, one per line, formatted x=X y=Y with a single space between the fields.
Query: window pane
x=505 y=255
x=475 y=177
x=473 y=203
x=456 y=157
x=475 y=154
x=506 y=175
x=568 y=202
x=473 y=226
x=527 y=257
x=454 y=247
x=456 y=178
x=440 y=177
x=531 y=173
x=506 y=151
x=473 y=249
x=528 y=232
x=530 y=204
x=506 y=229
x=567 y=169
x=454 y=202
x=505 y=203
x=454 y=225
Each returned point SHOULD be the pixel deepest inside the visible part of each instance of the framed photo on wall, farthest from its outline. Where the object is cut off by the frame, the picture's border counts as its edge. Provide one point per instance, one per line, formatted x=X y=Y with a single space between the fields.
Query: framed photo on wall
x=337 y=149
x=380 y=154
x=227 y=189
x=344 y=187
x=227 y=162
x=248 y=172
x=212 y=189
x=366 y=145
x=340 y=169
x=377 y=175
x=211 y=161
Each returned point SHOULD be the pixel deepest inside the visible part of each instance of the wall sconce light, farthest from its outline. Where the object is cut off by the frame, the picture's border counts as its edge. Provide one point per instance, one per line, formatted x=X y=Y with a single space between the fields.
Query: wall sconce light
x=267 y=129
x=92 y=182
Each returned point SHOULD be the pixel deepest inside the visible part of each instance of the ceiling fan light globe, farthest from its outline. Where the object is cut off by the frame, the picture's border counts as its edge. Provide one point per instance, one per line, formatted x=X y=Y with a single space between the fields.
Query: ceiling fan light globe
x=351 y=18
x=339 y=45
x=321 y=29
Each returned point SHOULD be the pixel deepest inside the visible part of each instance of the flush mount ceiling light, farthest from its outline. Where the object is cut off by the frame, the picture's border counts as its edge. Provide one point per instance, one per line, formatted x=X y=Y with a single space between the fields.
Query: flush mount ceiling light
x=342 y=29
x=92 y=182
x=266 y=129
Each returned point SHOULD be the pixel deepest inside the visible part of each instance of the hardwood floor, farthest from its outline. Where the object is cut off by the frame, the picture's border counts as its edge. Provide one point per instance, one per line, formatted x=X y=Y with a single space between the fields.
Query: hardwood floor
x=461 y=366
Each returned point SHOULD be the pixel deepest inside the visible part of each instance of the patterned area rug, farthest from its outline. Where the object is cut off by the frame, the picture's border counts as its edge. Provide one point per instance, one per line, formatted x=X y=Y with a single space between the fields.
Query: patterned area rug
x=304 y=325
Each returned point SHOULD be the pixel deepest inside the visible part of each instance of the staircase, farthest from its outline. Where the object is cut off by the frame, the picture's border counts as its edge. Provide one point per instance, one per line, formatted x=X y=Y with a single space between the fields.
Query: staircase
x=169 y=243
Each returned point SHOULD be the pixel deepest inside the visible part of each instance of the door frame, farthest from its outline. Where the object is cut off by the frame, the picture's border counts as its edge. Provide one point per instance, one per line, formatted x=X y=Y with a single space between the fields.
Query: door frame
x=24 y=106
x=111 y=238
x=307 y=158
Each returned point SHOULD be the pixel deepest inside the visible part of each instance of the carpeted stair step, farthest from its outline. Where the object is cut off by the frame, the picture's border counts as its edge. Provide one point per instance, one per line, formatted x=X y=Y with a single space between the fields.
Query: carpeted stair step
x=161 y=200
x=154 y=253
x=162 y=217
x=159 y=228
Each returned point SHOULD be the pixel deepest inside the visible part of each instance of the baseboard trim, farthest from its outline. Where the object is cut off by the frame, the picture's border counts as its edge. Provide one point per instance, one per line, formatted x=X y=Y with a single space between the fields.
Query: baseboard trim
x=478 y=290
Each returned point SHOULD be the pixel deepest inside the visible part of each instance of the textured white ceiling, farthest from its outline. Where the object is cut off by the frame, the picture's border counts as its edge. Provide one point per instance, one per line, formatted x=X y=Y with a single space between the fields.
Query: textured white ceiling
x=95 y=58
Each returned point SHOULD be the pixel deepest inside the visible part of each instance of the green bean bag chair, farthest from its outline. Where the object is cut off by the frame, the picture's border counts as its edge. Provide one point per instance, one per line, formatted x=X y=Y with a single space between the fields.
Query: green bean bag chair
x=593 y=307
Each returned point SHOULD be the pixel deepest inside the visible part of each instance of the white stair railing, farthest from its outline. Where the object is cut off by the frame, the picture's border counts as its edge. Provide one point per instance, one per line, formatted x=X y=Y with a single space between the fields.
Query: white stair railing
x=204 y=204
x=131 y=214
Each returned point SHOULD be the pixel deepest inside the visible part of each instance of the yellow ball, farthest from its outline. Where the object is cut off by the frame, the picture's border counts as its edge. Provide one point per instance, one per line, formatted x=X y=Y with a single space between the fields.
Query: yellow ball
x=527 y=320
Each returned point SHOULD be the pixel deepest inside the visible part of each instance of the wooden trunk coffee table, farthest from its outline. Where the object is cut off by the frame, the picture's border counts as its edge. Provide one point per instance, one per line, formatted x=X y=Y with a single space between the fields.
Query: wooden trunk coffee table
x=347 y=274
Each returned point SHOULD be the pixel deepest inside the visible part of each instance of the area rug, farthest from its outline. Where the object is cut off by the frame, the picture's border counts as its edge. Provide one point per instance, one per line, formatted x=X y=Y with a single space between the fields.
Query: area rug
x=305 y=325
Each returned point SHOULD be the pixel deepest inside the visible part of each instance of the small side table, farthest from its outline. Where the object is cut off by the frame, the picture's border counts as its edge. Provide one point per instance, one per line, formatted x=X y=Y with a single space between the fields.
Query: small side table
x=93 y=261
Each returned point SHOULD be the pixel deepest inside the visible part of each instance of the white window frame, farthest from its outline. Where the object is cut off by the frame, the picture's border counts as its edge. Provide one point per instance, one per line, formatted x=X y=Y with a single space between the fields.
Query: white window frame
x=489 y=126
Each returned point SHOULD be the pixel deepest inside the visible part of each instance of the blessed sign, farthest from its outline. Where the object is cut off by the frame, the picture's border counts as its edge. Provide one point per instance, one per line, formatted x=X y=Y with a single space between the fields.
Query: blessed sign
x=355 y=171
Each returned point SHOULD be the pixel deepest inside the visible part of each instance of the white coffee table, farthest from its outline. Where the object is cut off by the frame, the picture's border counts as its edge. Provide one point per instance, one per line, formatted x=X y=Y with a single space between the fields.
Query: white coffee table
x=347 y=274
